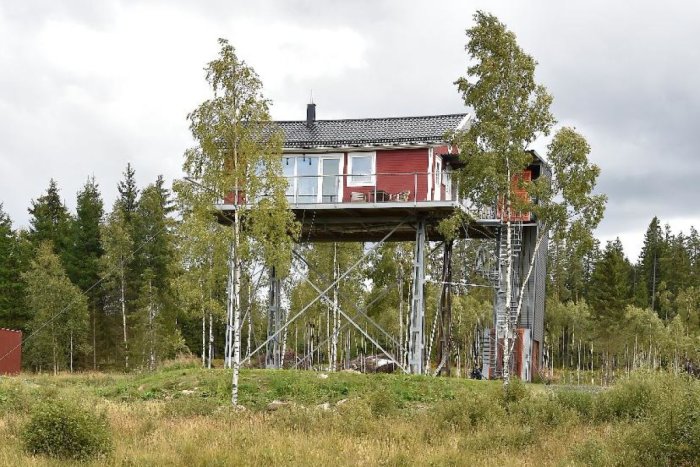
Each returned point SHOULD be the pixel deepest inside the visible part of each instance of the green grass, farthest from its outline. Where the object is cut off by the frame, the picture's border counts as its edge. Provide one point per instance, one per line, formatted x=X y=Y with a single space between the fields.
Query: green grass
x=182 y=415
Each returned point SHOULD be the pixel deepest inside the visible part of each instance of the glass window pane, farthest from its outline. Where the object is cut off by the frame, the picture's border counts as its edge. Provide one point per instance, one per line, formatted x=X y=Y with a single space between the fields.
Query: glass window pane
x=331 y=180
x=288 y=172
x=361 y=169
x=307 y=179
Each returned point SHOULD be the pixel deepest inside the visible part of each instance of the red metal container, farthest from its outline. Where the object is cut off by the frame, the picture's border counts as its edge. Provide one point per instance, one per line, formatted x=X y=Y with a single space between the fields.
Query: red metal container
x=10 y=351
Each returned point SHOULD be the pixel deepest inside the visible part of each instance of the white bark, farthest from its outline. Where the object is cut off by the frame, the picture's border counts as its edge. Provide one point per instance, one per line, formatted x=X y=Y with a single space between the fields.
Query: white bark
x=122 y=299
x=509 y=287
x=211 y=340
x=234 y=300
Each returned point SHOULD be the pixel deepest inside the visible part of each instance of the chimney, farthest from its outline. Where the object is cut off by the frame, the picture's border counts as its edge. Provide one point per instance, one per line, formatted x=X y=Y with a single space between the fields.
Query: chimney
x=310 y=115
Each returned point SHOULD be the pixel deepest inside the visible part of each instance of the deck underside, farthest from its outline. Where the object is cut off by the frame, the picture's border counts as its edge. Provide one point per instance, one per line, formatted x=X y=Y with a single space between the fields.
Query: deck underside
x=370 y=222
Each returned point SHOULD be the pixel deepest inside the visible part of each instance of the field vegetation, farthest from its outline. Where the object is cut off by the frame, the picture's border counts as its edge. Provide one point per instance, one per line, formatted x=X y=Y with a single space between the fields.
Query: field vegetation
x=181 y=415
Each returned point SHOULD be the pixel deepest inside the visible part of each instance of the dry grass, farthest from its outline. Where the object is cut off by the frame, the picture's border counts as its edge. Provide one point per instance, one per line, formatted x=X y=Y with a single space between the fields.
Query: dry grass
x=180 y=417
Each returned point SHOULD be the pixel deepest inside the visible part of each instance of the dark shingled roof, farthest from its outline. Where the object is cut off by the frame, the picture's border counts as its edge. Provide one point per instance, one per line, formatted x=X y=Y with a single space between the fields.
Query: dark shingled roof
x=369 y=131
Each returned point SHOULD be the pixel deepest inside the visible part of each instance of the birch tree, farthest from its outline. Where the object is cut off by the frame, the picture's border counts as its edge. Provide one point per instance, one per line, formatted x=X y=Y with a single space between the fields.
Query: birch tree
x=60 y=322
x=118 y=247
x=238 y=158
x=510 y=112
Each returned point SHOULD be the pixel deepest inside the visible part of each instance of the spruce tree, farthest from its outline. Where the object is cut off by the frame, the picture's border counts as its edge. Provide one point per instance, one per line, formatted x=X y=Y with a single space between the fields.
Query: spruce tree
x=609 y=292
x=50 y=221
x=650 y=264
x=84 y=252
x=128 y=193
x=155 y=318
x=13 y=313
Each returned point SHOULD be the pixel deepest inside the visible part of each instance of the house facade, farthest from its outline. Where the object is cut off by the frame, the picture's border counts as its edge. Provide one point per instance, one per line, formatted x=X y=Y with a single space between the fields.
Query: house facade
x=403 y=159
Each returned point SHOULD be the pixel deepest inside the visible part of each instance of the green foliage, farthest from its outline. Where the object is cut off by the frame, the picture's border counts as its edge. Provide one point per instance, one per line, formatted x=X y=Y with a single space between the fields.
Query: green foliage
x=13 y=259
x=467 y=412
x=382 y=403
x=609 y=291
x=50 y=220
x=60 y=312
x=581 y=402
x=64 y=430
x=237 y=146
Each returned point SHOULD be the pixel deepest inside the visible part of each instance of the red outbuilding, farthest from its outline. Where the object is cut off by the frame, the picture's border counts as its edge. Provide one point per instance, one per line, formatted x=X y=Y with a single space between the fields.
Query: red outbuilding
x=10 y=351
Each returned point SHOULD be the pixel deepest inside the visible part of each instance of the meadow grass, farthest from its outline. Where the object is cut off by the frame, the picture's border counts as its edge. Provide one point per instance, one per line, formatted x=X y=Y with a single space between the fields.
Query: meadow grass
x=181 y=415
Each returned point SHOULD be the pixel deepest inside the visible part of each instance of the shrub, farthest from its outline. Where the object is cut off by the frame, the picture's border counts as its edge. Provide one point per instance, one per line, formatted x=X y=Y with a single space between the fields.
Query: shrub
x=515 y=392
x=628 y=400
x=543 y=411
x=64 y=430
x=579 y=401
x=383 y=403
x=468 y=412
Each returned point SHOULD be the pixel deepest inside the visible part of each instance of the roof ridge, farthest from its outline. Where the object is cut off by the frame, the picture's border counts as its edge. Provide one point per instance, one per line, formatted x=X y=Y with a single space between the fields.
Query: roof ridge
x=373 y=118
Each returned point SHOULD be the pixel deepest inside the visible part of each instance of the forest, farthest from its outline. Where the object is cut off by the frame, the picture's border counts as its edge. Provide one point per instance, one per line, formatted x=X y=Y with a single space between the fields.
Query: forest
x=119 y=289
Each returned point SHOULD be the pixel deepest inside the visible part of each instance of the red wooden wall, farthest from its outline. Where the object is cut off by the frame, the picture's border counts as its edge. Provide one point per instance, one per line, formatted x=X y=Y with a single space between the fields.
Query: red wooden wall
x=11 y=349
x=402 y=162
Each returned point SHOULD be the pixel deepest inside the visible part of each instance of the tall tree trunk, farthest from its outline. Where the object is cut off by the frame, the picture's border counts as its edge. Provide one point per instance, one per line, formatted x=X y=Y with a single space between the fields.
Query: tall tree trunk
x=509 y=288
x=122 y=299
x=234 y=304
x=71 y=351
x=211 y=340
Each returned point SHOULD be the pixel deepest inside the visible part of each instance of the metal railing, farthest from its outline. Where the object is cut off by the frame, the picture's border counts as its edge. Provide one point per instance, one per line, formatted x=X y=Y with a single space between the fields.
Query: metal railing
x=380 y=189
x=396 y=187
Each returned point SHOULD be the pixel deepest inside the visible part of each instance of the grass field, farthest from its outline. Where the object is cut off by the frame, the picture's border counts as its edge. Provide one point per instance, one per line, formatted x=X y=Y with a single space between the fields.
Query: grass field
x=180 y=415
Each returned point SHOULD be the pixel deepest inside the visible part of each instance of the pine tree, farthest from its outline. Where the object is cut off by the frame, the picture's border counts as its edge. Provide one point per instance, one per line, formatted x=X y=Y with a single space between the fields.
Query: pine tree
x=60 y=313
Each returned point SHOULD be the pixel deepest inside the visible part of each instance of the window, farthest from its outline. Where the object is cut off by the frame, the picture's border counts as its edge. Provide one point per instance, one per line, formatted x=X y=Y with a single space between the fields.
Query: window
x=361 y=168
x=313 y=178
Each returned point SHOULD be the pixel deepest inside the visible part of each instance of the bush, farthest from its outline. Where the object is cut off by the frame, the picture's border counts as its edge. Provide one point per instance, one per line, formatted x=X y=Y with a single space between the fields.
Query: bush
x=579 y=401
x=631 y=399
x=383 y=403
x=542 y=410
x=64 y=430
x=515 y=392
x=468 y=412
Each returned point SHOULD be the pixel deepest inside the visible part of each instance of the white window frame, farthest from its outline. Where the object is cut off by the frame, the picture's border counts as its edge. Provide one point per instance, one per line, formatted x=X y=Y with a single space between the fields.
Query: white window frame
x=438 y=178
x=373 y=177
x=339 y=158
x=294 y=161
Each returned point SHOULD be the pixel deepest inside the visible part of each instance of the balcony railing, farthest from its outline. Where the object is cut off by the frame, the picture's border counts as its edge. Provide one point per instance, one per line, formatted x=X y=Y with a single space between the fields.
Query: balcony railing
x=378 y=189
x=401 y=187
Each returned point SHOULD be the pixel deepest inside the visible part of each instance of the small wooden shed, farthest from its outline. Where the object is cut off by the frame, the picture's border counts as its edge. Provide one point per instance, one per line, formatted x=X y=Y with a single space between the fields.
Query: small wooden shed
x=10 y=351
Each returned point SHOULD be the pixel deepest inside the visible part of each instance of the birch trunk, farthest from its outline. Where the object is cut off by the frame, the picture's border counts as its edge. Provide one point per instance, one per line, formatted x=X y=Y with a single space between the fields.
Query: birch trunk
x=509 y=289
x=211 y=340
x=235 y=305
x=122 y=299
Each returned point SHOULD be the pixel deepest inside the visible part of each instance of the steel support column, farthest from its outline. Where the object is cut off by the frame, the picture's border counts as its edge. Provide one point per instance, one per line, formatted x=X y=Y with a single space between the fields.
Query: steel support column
x=445 y=337
x=273 y=350
x=416 y=339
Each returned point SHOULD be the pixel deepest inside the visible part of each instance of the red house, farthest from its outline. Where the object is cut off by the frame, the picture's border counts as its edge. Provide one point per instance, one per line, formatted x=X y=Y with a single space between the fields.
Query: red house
x=390 y=179
x=401 y=159
x=10 y=351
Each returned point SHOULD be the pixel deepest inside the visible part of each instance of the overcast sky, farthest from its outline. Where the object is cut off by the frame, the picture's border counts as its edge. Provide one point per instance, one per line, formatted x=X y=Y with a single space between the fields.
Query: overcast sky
x=87 y=86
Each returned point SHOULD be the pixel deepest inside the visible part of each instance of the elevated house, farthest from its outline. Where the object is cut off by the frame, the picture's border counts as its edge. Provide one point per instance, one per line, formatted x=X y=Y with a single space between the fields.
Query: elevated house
x=390 y=179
